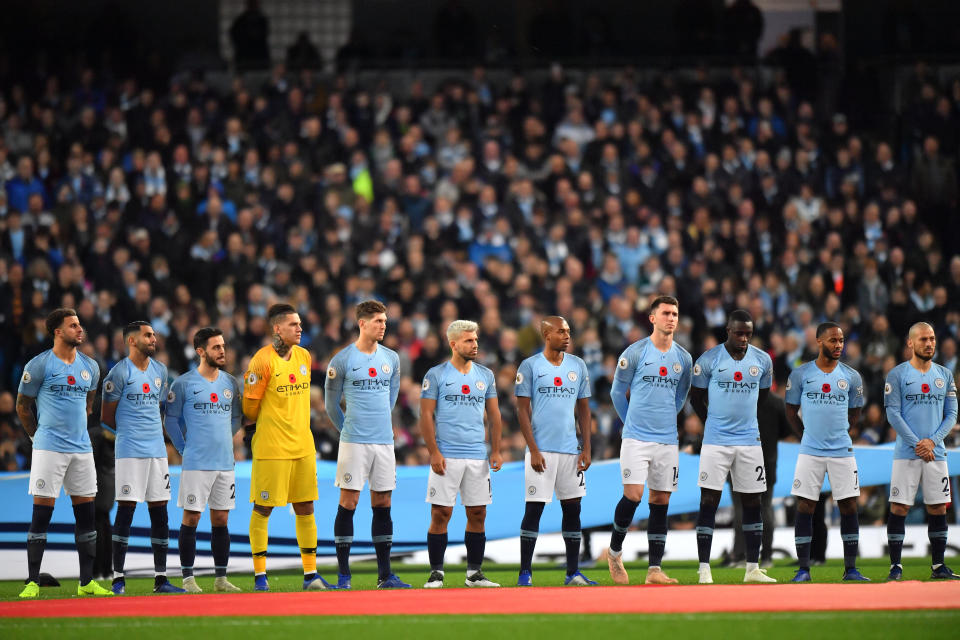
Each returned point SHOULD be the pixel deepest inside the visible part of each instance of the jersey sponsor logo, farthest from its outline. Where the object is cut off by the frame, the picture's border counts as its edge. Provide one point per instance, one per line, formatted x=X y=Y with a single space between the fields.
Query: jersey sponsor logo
x=252 y=378
x=624 y=363
x=85 y=375
x=426 y=384
x=571 y=376
x=71 y=380
x=385 y=368
x=677 y=367
x=171 y=396
x=303 y=369
x=480 y=385
x=754 y=371
x=842 y=384
x=887 y=389
x=519 y=378
x=26 y=377
x=939 y=383
x=737 y=376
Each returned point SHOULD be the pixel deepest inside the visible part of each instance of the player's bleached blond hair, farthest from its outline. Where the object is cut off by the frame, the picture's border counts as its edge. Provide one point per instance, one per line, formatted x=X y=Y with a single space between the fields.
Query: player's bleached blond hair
x=458 y=327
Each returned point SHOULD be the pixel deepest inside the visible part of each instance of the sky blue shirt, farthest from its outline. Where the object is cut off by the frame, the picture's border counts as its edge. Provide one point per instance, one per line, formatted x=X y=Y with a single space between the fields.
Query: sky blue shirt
x=658 y=384
x=824 y=399
x=733 y=391
x=202 y=417
x=61 y=391
x=370 y=383
x=139 y=396
x=920 y=405
x=461 y=400
x=553 y=392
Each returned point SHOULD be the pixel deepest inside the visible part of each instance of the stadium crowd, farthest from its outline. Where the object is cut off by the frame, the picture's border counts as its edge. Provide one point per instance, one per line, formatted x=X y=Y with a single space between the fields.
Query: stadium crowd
x=501 y=202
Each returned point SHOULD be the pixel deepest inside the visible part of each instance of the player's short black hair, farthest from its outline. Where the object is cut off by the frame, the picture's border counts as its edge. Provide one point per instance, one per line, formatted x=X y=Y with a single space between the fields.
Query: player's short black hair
x=56 y=318
x=823 y=327
x=201 y=337
x=276 y=312
x=659 y=300
x=739 y=315
x=370 y=308
x=134 y=327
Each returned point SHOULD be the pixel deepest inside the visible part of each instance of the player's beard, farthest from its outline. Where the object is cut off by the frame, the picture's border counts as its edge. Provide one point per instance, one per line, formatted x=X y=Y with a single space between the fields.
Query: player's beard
x=829 y=354
x=213 y=363
x=469 y=357
x=925 y=358
x=147 y=349
x=73 y=343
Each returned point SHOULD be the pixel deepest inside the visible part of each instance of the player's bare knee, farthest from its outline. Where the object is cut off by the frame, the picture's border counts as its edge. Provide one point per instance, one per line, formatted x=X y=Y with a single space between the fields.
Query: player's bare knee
x=932 y=509
x=303 y=508
x=47 y=502
x=349 y=498
x=898 y=509
x=476 y=516
x=263 y=510
x=158 y=503
x=659 y=497
x=380 y=498
x=633 y=492
x=192 y=518
x=847 y=506
x=440 y=516
x=805 y=505
x=218 y=517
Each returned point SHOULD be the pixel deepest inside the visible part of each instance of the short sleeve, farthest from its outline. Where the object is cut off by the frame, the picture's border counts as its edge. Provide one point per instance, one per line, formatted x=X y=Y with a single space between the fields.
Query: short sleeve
x=174 y=401
x=32 y=378
x=702 y=370
x=794 y=387
x=256 y=378
x=113 y=384
x=584 y=391
x=491 y=386
x=857 y=394
x=428 y=389
x=766 y=378
x=522 y=384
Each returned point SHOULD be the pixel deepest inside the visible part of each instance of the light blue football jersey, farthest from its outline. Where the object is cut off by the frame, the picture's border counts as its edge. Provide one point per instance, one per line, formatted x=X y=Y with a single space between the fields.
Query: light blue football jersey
x=139 y=396
x=61 y=391
x=202 y=417
x=920 y=405
x=824 y=399
x=461 y=402
x=553 y=391
x=733 y=391
x=370 y=383
x=658 y=383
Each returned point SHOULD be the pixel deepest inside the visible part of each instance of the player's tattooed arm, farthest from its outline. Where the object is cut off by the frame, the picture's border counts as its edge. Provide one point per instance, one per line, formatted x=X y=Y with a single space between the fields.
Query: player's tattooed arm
x=853 y=417
x=91 y=397
x=793 y=419
x=108 y=414
x=25 y=412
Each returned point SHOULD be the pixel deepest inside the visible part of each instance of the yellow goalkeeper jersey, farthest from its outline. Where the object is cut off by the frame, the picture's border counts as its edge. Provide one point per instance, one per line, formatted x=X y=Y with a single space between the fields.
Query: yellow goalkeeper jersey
x=283 y=387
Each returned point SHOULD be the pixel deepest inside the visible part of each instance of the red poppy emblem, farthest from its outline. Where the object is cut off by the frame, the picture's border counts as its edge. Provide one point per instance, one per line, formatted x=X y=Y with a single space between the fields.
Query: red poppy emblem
x=465 y=389
x=826 y=387
x=293 y=379
x=924 y=387
x=372 y=371
x=557 y=382
x=663 y=372
x=213 y=398
x=71 y=380
x=146 y=387
x=738 y=376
